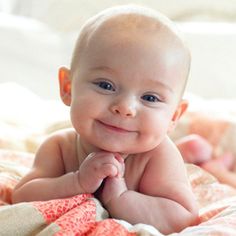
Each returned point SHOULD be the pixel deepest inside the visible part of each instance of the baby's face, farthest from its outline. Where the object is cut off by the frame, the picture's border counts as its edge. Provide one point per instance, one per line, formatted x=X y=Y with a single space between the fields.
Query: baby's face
x=126 y=90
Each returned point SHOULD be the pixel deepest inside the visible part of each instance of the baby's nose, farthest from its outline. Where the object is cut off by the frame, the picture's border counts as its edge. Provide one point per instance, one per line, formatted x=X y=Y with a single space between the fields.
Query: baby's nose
x=124 y=107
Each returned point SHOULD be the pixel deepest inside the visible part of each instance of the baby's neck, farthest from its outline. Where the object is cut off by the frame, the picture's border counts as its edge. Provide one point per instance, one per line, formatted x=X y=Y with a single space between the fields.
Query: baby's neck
x=84 y=149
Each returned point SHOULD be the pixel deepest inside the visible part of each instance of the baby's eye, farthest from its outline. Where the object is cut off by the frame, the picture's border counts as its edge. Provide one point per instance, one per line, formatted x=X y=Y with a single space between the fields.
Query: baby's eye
x=105 y=85
x=150 y=98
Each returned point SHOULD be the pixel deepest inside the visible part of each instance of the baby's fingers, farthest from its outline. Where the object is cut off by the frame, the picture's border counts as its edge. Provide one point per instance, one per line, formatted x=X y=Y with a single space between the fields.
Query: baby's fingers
x=121 y=165
x=108 y=170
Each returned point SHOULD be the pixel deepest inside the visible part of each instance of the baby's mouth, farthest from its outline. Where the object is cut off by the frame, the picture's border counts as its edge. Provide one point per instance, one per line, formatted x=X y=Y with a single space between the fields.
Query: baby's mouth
x=114 y=128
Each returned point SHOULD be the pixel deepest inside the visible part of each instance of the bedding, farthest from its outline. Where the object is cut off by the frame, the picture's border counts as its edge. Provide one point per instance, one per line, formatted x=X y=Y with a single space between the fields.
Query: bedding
x=21 y=133
x=84 y=215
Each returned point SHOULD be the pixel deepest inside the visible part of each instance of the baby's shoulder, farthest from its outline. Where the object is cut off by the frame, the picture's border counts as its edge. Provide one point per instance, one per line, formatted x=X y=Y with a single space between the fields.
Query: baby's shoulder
x=62 y=137
x=166 y=146
x=165 y=152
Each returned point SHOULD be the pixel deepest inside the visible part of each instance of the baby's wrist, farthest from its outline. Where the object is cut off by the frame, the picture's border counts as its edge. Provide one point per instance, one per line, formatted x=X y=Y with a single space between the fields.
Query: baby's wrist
x=113 y=189
x=78 y=183
x=114 y=204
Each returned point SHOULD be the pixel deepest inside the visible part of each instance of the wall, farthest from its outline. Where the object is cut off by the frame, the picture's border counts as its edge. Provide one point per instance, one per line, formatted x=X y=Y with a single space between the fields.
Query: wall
x=38 y=36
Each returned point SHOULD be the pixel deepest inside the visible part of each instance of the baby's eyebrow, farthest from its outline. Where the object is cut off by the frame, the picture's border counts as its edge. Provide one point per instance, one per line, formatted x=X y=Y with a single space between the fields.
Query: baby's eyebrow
x=158 y=83
x=102 y=68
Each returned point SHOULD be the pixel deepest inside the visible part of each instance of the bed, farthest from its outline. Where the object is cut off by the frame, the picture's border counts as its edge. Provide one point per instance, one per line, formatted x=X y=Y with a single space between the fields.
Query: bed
x=31 y=110
x=23 y=129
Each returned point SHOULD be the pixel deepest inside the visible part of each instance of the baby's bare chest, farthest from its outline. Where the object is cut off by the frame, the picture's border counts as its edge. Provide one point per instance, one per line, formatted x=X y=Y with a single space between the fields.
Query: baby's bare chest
x=134 y=170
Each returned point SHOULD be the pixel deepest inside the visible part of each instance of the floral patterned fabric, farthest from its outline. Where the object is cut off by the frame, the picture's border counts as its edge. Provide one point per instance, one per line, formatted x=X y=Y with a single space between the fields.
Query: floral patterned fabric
x=84 y=215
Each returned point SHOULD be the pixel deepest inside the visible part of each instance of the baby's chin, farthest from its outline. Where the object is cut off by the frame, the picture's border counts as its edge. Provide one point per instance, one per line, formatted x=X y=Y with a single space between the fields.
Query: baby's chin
x=124 y=147
x=123 y=151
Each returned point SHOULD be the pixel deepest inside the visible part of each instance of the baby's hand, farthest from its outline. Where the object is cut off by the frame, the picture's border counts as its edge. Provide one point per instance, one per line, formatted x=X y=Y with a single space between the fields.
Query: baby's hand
x=96 y=167
x=113 y=188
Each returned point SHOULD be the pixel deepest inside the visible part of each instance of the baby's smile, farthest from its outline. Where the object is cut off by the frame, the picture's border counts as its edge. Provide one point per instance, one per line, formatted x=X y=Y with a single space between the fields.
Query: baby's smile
x=114 y=128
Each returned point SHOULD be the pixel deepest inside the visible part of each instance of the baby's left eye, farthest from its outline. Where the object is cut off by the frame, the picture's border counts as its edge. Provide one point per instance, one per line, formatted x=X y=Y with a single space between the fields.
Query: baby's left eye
x=150 y=98
x=105 y=85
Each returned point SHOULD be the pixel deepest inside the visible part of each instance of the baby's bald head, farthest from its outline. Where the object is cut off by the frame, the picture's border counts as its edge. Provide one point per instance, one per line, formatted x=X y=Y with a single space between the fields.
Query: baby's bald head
x=124 y=22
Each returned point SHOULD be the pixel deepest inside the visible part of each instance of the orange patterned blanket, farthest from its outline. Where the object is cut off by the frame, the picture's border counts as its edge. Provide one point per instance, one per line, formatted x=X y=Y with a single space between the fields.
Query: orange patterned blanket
x=84 y=215
x=79 y=215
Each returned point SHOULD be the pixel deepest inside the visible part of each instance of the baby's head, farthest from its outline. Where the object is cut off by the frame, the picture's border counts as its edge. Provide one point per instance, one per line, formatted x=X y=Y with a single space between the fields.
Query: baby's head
x=128 y=73
x=134 y=23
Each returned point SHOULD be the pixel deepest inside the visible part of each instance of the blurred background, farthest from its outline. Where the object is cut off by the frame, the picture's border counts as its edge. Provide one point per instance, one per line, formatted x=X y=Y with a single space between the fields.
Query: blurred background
x=38 y=36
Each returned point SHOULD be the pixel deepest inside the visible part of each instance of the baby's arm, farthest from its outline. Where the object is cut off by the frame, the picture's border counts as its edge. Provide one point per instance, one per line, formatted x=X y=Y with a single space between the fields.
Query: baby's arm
x=49 y=178
x=164 y=198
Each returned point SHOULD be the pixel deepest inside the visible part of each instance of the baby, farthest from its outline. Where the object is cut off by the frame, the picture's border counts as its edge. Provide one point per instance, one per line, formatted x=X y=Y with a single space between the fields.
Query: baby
x=124 y=88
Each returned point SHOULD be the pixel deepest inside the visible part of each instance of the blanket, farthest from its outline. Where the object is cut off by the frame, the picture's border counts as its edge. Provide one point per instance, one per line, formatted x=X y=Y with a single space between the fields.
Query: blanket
x=84 y=215
x=79 y=215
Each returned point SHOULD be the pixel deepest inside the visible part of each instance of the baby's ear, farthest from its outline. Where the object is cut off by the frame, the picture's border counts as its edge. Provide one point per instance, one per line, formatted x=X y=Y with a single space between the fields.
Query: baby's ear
x=180 y=110
x=65 y=85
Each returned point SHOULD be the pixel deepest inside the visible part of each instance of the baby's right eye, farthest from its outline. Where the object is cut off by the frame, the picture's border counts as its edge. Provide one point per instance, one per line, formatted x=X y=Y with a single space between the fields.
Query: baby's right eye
x=105 y=85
